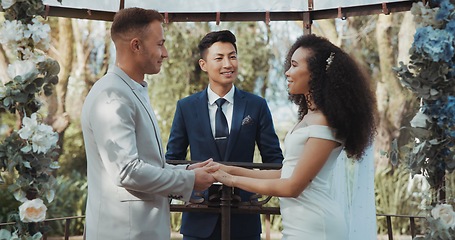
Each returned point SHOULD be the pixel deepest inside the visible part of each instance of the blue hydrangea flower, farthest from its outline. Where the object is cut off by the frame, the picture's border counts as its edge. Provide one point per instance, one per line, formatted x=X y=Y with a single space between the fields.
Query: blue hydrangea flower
x=444 y=113
x=450 y=27
x=436 y=44
x=444 y=10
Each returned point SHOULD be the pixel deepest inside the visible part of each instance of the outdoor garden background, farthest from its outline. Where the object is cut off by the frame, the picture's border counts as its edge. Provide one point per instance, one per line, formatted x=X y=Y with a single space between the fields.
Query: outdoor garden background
x=379 y=42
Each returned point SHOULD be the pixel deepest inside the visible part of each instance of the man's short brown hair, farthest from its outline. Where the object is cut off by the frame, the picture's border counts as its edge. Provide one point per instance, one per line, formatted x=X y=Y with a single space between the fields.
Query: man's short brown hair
x=131 y=22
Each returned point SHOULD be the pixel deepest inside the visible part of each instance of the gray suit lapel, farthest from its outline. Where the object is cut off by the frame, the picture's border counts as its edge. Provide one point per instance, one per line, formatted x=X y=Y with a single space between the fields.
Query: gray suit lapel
x=127 y=80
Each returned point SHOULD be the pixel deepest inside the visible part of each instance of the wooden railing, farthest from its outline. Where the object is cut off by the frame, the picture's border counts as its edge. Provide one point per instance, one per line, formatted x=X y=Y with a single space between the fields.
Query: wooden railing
x=412 y=223
x=267 y=211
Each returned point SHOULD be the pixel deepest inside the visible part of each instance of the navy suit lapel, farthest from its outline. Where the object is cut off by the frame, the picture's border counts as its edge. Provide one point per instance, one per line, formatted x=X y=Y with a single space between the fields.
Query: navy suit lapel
x=240 y=103
x=203 y=120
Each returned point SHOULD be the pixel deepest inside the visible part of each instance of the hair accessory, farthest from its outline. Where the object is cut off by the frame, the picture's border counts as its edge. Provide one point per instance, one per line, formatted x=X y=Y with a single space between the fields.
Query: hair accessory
x=329 y=60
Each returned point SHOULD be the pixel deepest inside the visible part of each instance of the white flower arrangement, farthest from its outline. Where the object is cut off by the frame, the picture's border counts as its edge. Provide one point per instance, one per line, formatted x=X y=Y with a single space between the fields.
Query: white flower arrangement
x=441 y=223
x=40 y=137
x=22 y=70
x=444 y=213
x=18 y=35
x=29 y=152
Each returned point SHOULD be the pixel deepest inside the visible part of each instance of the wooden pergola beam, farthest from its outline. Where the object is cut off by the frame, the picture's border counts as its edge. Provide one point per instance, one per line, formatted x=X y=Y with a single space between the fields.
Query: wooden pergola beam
x=244 y=16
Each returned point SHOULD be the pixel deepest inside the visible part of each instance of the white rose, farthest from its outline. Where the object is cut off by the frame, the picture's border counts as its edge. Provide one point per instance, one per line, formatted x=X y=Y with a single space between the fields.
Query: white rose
x=29 y=126
x=11 y=32
x=7 y=3
x=25 y=69
x=32 y=211
x=43 y=140
x=420 y=120
x=445 y=213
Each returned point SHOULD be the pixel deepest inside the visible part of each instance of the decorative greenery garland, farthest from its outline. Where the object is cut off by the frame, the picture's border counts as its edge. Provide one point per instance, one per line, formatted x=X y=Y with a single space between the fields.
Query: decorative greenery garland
x=431 y=76
x=28 y=154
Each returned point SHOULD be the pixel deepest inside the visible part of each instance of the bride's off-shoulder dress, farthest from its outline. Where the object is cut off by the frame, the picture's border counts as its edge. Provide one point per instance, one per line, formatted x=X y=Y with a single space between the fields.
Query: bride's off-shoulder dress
x=314 y=214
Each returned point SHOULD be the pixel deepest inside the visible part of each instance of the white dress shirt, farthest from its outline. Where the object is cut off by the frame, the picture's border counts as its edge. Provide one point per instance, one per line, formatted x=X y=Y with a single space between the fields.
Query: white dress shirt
x=227 y=107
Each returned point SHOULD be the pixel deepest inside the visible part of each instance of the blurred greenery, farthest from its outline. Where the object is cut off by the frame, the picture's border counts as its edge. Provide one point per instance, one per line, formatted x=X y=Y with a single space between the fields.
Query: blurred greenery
x=70 y=200
x=73 y=157
x=394 y=197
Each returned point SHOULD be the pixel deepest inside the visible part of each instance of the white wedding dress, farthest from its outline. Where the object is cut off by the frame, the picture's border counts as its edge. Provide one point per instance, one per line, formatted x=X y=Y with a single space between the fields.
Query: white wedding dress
x=339 y=203
x=353 y=188
x=315 y=213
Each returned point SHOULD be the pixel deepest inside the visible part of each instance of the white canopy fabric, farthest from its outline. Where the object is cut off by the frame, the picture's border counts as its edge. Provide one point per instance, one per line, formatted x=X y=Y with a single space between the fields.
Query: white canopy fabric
x=201 y=6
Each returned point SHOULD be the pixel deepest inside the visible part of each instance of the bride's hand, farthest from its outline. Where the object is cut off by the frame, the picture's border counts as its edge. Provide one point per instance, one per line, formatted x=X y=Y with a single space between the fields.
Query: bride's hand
x=224 y=178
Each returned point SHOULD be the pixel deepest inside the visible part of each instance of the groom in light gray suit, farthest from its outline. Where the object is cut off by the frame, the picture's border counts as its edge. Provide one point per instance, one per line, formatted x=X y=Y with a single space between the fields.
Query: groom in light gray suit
x=129 y=183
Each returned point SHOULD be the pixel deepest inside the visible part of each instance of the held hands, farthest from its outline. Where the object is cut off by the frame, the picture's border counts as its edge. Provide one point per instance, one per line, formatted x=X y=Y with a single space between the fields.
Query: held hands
x=203 y=176
x=222 y=175
x=206 y=163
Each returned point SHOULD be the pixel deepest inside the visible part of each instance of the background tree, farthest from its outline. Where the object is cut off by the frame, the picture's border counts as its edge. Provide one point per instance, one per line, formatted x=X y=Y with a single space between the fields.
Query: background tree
x=57 y=117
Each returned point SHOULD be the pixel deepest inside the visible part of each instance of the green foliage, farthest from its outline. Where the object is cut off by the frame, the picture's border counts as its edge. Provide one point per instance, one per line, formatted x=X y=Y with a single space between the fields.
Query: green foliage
x=70 y=200
x=9 y=205
x=73 y=156
x=30 y=152
x=394 y=197
x=25 y=10
x=20 y=93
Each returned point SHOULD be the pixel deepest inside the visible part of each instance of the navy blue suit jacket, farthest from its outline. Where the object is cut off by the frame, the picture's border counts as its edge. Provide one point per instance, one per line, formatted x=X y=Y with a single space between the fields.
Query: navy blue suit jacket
x=191 y=128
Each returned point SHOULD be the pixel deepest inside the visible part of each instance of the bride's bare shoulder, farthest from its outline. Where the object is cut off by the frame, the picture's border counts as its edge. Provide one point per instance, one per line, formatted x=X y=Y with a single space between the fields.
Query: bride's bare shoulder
x=315 y=118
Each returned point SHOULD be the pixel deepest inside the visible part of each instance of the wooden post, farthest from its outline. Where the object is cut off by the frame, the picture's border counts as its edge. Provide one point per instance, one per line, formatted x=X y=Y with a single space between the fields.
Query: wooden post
x=225 y=204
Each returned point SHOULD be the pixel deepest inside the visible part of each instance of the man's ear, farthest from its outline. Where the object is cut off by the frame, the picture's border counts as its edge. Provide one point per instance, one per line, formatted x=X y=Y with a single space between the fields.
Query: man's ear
x=202 y=63
x=135 y=44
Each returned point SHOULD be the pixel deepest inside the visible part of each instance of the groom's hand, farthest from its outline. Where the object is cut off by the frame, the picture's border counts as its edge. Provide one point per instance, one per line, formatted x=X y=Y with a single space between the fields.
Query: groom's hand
x=203 y=178
x=200 y=164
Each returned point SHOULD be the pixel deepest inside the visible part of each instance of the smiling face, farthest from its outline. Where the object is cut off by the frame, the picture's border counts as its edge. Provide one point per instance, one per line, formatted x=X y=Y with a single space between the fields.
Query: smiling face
x=220 y=63
x=298 y=75
x=151 y=51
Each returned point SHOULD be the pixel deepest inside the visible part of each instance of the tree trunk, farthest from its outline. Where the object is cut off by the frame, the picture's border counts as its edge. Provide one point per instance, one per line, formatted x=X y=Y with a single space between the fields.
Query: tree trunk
x=57 y=117
x=327 y=29
x=394 y=102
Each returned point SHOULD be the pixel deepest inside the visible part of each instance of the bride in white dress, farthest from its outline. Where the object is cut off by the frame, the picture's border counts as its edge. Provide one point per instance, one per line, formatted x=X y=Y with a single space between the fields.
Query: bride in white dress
x=336 y=113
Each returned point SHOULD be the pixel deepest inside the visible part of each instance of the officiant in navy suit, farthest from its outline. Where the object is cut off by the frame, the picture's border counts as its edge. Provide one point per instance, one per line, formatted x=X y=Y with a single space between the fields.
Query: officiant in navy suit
x=223 y=123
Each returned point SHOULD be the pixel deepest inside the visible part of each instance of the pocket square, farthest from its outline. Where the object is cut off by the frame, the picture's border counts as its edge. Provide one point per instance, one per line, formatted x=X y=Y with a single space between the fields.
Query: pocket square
x=247 y=120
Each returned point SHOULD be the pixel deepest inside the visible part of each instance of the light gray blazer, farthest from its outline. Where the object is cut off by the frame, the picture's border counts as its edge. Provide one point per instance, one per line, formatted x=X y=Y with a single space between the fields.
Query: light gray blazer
x=129 y=182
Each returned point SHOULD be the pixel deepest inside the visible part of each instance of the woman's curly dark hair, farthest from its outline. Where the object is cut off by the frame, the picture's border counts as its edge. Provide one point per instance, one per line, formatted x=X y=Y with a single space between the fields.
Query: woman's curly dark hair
x=340 y=90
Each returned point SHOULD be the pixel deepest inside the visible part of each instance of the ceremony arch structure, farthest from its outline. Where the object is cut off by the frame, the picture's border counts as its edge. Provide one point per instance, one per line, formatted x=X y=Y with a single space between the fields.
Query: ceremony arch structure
x=232 y=10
